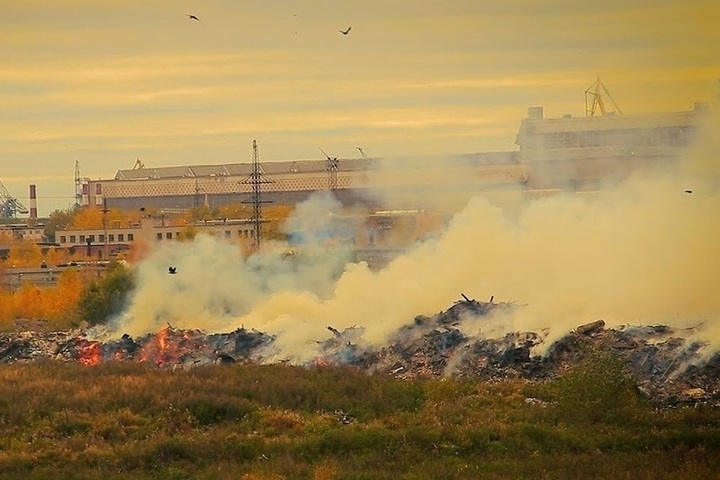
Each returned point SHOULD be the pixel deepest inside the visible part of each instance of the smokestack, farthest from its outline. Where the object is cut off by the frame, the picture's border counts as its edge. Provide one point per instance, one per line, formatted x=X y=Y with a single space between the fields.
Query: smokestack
x=33 y=202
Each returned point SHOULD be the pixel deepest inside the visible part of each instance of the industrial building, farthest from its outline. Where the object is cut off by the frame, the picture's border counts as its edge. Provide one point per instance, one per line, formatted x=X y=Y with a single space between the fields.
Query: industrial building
x=290 y=182
x=575 y=153
x=584 y=152
x=108 y=242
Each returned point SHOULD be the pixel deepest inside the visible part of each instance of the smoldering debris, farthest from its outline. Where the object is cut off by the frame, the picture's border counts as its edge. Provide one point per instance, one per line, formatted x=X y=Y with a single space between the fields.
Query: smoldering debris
x=668 y=363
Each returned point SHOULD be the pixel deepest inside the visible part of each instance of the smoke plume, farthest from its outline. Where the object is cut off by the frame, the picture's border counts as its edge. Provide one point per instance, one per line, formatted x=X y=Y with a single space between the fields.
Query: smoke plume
x=643 y=252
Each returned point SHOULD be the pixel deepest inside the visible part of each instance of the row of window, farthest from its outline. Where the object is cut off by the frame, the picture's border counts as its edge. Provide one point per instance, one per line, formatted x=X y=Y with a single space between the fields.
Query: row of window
x=131 y=237
x=228 y=234
x=662 y=136
x=101 y=238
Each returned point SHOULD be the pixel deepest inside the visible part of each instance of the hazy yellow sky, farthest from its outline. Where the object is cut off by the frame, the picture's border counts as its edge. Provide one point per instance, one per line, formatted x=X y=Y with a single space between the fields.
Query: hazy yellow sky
x=104 y=82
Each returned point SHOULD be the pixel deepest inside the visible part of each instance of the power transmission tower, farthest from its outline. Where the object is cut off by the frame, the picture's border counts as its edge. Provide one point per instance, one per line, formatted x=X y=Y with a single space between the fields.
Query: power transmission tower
x=331 y=166
x=78 y=185
x=105 y=211
x=196 y=198
x=256 y=179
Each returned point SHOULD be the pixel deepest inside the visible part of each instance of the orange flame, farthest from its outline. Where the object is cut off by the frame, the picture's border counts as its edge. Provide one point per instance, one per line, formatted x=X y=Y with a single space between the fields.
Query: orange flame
x=90 y=354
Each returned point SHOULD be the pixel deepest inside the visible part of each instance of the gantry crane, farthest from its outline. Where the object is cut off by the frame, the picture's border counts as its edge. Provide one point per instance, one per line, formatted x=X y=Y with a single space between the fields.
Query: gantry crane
x=10 y=206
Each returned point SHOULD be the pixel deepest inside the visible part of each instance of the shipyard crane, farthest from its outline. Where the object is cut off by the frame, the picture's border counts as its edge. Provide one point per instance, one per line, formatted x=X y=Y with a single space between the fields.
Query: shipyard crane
x=9 y=205
x=594 y=100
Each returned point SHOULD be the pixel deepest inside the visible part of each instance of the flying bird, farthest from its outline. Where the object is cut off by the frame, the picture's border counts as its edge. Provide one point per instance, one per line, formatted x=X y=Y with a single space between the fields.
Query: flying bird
x=192 y=17
x=345 y=32
x=172 y=270
x=688 y=191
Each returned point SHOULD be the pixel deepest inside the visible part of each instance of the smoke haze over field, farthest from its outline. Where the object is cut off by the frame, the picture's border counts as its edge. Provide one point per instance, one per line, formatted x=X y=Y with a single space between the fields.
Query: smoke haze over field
x=644 y=252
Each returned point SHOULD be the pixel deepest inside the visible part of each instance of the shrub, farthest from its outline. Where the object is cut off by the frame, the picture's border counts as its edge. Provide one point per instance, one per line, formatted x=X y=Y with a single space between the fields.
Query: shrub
x=208 y=411
x=597 y=390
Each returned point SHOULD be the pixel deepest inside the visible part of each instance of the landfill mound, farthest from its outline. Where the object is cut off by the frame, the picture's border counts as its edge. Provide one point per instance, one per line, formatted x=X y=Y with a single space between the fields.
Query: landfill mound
x=669 y=368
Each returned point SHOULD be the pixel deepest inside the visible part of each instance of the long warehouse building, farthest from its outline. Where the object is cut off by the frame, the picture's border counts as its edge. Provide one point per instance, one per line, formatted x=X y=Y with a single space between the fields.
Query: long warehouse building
x=576 y=153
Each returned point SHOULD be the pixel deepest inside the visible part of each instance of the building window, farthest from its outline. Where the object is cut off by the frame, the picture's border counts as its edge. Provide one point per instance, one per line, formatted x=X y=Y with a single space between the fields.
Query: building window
x=82 y=238
x=227 y=233
x=101 y=238
x=159 y=236
x=121 y=237
x=62 y=239
x=111 y=237
x=72 y=238
x=131 y=237
x=168 y=235
x=91 y=238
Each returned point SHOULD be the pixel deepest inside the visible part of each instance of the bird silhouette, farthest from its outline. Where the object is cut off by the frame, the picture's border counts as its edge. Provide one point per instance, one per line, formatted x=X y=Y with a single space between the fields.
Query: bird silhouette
x=172 y=270
x=192 y=17
x=345 y=32
x=688 y=191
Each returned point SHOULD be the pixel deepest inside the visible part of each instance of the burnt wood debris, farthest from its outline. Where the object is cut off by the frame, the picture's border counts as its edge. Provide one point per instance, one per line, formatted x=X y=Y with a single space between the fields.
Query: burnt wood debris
x=670 y=367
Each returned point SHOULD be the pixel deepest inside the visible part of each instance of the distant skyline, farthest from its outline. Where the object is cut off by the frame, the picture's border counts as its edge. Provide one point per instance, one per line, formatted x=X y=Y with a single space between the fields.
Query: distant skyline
x=107 y=82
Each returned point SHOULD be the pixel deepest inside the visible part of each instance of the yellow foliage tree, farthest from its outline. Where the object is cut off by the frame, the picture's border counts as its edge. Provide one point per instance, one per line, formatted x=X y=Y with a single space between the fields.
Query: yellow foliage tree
x=28 y=302
x=24 y=253
x=138 y=250
x=88 y=218
x=55 y=257
x=7 y=309
x=60 y=303
x=236 y=211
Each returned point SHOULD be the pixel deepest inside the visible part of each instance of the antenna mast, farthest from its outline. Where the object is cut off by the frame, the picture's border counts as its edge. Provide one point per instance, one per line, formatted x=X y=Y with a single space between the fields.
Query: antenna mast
x=257 y=178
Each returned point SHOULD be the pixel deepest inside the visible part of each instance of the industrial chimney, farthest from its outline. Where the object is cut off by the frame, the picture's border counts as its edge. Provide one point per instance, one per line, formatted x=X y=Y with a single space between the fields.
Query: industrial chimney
x=33 y=202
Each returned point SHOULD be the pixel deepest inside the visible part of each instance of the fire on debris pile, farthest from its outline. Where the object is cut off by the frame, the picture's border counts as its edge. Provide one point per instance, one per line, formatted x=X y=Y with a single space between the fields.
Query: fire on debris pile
x=669 y=368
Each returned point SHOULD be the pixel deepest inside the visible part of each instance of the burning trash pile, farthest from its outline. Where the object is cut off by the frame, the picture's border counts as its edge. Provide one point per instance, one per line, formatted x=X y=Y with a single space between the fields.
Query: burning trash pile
x=670 y=368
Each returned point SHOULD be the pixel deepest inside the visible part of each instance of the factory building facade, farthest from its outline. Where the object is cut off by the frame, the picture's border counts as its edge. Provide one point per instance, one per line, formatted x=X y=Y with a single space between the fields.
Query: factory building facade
x=356 y=181
x=575 y=153
x=585 y=152
x=109 y=242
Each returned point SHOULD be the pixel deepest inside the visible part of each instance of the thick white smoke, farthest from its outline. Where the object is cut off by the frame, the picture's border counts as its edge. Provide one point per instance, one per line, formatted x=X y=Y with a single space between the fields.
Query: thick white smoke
x=643 y=252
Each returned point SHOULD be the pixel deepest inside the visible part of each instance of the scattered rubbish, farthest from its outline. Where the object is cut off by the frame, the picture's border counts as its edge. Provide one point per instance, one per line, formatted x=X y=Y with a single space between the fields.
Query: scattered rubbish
x=669 y=368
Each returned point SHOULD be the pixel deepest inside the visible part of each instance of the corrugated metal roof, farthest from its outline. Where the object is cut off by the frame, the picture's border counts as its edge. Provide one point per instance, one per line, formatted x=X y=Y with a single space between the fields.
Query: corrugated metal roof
x=311 y=166
x=239 y=169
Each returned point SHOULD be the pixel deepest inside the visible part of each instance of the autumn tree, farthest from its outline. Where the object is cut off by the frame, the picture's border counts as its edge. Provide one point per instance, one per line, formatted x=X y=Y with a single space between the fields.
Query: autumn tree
x=61 y=303
x=24 y=253
x=58 y=220
x=105 y=297
x=89 y=218
x=7 y=309
x=188 y=233
x=28 y=301
x=138 y=250
x=236 y=211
